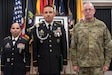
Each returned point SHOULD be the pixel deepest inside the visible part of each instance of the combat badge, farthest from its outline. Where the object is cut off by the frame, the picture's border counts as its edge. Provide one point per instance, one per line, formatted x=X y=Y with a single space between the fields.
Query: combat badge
x=8 y=45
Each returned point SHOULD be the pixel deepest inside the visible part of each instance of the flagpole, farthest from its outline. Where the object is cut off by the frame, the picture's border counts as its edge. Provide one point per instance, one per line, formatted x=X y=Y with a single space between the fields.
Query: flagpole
x=26 y=12
x=69 y=60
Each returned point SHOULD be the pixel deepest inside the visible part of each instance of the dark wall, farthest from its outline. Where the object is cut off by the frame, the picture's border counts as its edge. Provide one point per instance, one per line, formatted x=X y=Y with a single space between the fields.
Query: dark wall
x=104 y=14
x=5 y=17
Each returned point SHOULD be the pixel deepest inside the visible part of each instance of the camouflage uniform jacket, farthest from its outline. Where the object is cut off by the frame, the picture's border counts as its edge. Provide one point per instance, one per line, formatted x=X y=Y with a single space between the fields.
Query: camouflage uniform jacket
x=90 y=44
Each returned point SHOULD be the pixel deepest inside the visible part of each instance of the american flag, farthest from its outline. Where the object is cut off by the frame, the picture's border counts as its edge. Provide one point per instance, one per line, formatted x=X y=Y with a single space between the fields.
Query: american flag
x=18 y=15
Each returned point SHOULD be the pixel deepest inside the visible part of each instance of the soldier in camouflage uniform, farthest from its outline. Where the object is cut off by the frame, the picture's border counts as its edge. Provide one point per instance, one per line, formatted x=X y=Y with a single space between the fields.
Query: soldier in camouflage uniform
x=90 y=44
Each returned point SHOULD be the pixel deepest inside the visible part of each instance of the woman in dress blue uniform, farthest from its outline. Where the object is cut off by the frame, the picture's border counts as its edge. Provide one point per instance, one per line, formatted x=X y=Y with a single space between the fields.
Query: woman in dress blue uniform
x=15 y=59
x=49 y=44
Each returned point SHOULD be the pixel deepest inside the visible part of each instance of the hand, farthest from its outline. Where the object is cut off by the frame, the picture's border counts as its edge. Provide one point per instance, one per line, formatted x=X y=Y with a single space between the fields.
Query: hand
x=2 y=73
x=105 y=68
x=76 y=68
x=36 y=69
x=27 y=73
x=64 y=69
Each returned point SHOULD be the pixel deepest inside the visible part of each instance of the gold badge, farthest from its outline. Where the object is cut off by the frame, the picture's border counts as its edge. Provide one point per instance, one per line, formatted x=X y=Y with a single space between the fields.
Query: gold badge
x=58 y=40
x=8 y=45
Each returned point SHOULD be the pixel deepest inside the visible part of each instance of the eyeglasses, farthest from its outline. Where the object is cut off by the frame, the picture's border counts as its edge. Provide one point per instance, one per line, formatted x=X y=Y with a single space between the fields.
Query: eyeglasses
x=85 y=10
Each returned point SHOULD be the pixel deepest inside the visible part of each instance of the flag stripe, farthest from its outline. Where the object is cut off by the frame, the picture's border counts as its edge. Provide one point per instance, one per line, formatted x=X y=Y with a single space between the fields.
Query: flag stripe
x=41 y=6
x=51 y=2
x=79 y=10
x=38 y=7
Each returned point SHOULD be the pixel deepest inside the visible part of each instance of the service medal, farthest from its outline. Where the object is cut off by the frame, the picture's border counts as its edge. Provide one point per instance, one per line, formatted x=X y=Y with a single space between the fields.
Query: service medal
x=21 y=46
x=57 y=32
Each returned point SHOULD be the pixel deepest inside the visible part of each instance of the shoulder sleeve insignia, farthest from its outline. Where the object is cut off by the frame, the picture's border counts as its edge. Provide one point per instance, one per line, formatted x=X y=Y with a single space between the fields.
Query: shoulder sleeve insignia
x=59 y=23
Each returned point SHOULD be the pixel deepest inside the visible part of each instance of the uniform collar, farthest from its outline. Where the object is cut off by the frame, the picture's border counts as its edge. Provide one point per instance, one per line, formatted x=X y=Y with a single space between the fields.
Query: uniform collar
x=92 y=20
x=15 y=38
x=48 y=24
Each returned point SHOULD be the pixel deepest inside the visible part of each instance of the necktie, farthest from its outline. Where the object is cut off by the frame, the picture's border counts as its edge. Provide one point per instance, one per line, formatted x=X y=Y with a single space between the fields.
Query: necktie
x=49 y=26
x=14 y=41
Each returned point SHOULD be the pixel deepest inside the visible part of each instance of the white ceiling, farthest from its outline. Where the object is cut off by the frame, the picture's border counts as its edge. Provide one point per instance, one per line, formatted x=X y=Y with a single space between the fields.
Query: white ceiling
x=99 y=0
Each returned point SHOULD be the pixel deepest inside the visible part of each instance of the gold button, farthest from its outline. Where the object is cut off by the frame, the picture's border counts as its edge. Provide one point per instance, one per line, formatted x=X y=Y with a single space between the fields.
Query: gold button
x=12 y=53
x=50 y=45
x=12 y=48
x=41 y=41
x=50 y=41
x=12 y=58
x=11 y=63
x=49 y=35
x=50 y=50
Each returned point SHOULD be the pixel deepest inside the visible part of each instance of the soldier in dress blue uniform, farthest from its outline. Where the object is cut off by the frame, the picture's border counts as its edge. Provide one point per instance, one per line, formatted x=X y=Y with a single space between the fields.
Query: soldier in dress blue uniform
x=15 y=59
x=49 y=44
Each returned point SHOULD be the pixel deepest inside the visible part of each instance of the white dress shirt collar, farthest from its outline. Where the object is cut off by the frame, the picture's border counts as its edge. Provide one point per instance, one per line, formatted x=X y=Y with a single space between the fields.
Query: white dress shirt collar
x=15 y=38
x=48 y=24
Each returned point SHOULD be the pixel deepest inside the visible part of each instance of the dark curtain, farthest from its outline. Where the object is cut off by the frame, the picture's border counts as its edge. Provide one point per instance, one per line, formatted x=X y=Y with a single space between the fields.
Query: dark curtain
x=104 y=15
x=6 y=16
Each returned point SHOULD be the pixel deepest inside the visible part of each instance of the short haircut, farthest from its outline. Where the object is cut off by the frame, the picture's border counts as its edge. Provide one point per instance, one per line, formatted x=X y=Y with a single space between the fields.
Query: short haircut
x=48 y=6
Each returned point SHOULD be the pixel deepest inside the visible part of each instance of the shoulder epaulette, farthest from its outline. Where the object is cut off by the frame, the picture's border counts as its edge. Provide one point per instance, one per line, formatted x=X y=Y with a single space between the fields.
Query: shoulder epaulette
x=32 y=27
x=29 y=29
x=59 y=23
x=38 y=24
x=8 y=37
x=26 y=38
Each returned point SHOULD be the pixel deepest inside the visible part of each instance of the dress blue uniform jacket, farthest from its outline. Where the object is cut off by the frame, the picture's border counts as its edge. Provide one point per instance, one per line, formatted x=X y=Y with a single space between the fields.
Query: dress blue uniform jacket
x=15 y=60
x=48 y=47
